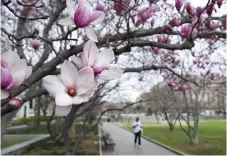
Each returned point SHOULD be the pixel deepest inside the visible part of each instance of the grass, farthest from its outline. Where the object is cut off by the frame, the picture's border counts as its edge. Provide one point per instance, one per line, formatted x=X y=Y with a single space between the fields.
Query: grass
x=88 y=146
x=43 y=130
x=212 y=138
x=8 y=143
x=29 y=120
x=40 y=130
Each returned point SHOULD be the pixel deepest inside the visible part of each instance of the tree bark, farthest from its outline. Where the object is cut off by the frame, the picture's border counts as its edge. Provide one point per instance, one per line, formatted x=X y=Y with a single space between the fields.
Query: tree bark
x=156 y=116
x=6 y=120
x=171 y=127
x=195 y=139
x=68 y=124
x=37 y=114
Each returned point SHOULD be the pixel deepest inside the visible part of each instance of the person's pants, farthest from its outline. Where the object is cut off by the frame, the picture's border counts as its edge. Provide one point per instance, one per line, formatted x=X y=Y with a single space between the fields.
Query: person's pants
x=138 y=135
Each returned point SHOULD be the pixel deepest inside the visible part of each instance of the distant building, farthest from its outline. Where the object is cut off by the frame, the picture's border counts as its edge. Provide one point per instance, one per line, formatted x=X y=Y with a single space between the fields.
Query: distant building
x=28 y=110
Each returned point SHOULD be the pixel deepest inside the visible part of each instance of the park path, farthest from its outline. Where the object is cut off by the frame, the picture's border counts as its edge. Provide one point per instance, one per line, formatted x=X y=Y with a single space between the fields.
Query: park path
x=125 y=145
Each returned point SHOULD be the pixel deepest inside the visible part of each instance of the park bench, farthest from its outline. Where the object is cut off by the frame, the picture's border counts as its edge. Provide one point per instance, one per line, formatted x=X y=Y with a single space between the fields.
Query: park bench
x=108 y=141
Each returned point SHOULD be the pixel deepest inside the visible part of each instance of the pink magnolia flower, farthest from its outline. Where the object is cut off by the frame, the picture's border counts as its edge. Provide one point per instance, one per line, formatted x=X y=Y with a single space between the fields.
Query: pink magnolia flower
x=100 y=6
x=195 y=62
x=144 y=14
x=178 y=4
x=15 y=102
x=83 y=17
x=209 y=10
x=151 y=1
x=189 y=8
x=175 y=22
x=154 y=50
x=98 y=61
x=35 y=44
x=185 y=30
x=13 y=72
x=71 y=87
x=140 y=78
x=123 y=6
x=171 y=84
x=211 y=25
x=219 y=3
x=162 y=39
x=167 y=28
x=199 y=11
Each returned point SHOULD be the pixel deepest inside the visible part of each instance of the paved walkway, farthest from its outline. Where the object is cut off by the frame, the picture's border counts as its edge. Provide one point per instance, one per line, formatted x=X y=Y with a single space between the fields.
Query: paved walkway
x=125 y=145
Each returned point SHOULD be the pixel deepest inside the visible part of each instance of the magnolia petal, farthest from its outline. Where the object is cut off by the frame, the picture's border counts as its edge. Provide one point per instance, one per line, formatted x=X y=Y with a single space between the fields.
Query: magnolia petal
x=84 y=3
x=132 y=3
x=91 y=34
x=83 y=97
x=91 y=51
x=16 y=102
x=13 y=85
x=53 y=84
x=78 y=62
x=86 y=50
x=4 y=64
x=18 y=71
x=4 y=94
x=63 y=99
x=82 y=15
x=28 y=72
x=110 y=74
x=70 y=7
x=10 y=57
x=104 y=58
x=98 y=70
x=86 y=80
x=62 y=110
x=66 y=21
x=97 y=17
x=68 y=74
x=84 y=59
x=6 y=78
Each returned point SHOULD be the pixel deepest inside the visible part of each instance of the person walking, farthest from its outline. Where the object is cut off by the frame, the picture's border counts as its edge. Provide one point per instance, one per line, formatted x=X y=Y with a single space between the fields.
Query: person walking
x=137 y=125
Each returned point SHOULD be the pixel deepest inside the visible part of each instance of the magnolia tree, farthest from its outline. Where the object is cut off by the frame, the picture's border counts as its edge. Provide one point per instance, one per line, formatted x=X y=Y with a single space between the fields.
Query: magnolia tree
x=69 y=48
x=162 y=101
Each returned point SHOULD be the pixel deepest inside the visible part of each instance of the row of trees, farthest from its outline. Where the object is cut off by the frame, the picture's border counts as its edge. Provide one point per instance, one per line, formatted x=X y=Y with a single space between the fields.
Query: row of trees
x=185 y=106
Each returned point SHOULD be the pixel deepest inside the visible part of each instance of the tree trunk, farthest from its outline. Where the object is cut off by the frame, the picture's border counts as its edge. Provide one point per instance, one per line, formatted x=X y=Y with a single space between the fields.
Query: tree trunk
x=38 y=117
x=156 y=116
x=195 y=139
x=6 y=120
x=66 y=132
x=171 y=127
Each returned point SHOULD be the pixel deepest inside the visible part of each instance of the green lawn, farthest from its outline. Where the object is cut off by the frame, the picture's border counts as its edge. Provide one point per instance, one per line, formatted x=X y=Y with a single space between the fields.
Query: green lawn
x=43 y=130
x=8 y=143
x=88 y=146
x=40 y=130
x=29 y=120
x=212 y=137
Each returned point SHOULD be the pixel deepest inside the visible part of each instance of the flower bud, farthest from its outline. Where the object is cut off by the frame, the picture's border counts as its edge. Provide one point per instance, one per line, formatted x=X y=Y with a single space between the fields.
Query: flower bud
x=15 y=102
